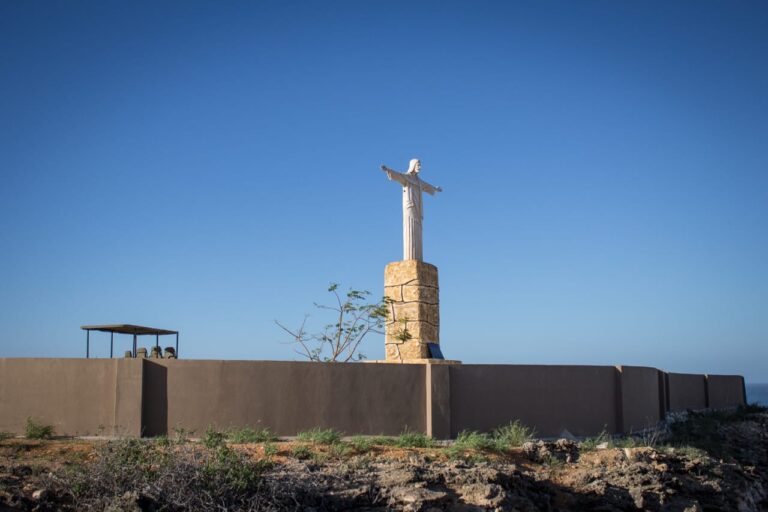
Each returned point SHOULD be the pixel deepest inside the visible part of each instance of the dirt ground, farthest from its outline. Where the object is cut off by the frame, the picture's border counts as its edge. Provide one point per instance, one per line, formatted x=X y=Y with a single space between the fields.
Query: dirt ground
x=728 y=470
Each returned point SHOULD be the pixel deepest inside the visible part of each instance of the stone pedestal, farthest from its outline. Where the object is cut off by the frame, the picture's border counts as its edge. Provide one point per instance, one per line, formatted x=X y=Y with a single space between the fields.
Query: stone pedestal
x=414 y=312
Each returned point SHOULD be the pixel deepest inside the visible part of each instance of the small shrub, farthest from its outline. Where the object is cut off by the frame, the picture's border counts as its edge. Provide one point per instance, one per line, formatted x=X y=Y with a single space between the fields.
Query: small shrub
x=182 y=435
x=213 y=438
x=320 y=436
x=410 y=439
x=468 y=440
x=513 y=435
x=301 y=452
x=384 y=441
x=182 y=478
x=4 y=436
x=34 y=430
x=362 y=444
x=339 y=450
x=270 y=449
x=251 y=435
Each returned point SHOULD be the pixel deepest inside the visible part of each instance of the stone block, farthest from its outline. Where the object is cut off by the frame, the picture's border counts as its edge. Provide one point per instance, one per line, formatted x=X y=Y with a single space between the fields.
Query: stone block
x=412 y=287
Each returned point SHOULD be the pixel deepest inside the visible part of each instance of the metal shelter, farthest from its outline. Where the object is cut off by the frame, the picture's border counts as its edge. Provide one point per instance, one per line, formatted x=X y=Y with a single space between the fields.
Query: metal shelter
x=135 y=330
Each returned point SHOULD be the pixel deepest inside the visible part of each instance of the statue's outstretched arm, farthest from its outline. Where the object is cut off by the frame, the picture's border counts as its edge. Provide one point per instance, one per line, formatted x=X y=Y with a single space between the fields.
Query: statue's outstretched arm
x=394 y=175
x=430 y=189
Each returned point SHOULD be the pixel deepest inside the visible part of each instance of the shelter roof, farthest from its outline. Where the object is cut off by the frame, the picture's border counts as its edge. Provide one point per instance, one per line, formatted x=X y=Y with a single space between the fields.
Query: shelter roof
x=127 y=329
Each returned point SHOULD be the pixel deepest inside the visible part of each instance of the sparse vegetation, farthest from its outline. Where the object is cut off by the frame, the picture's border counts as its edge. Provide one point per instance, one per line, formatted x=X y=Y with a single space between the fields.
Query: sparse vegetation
x=301 y=452
x=410 y=439
x=5 y=436
x=320 y=436
x=513 y=435
x=270 y=449
x=180 y=477
x=251 y=435
x=213 y=438
x=353 y=319
x=362 y=444
x=35 y=430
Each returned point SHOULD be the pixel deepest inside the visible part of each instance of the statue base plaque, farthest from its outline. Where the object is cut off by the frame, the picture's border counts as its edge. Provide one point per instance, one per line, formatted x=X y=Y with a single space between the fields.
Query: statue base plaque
x=412 y=331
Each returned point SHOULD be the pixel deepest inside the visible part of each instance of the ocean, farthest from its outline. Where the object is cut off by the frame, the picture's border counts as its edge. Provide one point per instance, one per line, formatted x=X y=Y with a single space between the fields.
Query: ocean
x=757 y=393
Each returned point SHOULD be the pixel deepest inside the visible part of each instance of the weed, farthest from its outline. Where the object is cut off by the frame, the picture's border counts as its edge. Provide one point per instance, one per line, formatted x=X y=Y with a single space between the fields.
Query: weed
x=34 y=430
x=182 y=478
x=4 y=436
x=339 y=450
x=468 y=440
x=251 y=435
x=384 y=440
x=513 y=435
x=270 y=449
x=301 y=452
x=320 y=436
x=213 y=438
x=410 y=439
x=362 y=444
x=591 y=443
x=182 y=435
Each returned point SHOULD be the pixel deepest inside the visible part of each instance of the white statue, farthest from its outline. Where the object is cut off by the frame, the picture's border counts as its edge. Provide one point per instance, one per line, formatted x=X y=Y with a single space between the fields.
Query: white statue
x=413 y=212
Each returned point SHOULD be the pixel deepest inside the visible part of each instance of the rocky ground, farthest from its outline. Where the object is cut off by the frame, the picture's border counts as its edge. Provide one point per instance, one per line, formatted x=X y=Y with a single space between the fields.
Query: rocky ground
x=706 y=462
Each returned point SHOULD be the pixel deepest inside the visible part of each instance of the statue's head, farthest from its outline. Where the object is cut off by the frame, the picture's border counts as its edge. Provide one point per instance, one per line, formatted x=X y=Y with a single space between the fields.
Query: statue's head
x=415 y=166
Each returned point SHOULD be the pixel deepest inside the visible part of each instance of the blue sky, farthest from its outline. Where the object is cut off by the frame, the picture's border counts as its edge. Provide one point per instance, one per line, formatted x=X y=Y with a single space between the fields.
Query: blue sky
x=210 y=167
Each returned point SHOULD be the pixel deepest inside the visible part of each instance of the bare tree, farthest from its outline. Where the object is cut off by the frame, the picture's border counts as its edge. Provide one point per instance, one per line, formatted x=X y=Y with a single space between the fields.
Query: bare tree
x=339 y=341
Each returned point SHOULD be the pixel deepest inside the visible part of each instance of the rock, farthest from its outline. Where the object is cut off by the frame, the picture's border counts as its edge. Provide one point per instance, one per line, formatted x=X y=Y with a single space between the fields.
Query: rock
x=416 y=498
x=482 y=495
x=541 y=451
x=41 y=495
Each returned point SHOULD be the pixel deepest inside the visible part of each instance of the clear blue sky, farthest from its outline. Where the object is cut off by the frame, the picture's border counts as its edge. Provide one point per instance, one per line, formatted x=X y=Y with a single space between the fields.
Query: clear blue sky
x=211 y=167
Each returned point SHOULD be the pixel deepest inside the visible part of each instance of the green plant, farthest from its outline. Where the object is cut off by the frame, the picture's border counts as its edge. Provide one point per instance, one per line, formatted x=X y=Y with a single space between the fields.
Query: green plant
x=213 y=438
x=4 y=436
x=353 y=319
x=468 y=440
x=410 y=439
x=182 y=435
x=301 y=452
x=339 y=450
x=251 y=435
x=512 y=435
x=403 y=334
x=362 y=444
x=270 y=449
x=34 y=430
x=320 y=436
x=591 y=443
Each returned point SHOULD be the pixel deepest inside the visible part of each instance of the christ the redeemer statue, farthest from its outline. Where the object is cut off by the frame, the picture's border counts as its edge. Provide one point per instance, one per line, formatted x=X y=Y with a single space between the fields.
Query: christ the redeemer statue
x=413 y=213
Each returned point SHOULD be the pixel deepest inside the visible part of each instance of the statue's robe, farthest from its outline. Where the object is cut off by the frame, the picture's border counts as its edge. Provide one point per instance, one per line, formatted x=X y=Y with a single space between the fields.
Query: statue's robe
x=413 y=213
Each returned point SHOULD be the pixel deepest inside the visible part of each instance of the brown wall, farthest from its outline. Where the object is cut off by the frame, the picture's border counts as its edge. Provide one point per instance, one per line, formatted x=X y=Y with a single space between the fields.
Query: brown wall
x=289 y=397
x=725 y=390
x=581 y=399
x=76 y=396
x=686 y=391
x=151 y=397
x=639 y=398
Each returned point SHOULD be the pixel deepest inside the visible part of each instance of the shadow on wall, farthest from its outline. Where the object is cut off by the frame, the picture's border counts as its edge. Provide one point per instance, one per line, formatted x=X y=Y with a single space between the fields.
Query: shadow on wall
x=154 y=404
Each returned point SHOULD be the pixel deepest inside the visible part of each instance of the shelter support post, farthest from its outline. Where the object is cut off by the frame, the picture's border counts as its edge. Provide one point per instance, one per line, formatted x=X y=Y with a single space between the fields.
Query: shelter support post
x=87 y=344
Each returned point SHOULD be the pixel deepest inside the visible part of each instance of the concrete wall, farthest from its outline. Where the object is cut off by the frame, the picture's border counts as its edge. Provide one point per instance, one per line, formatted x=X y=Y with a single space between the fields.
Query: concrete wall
x=289 y=397
x=639 y=398
x=152 y=397
x=686 y=391
x=725 y=390
x=76 y=396
x=581 y=399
